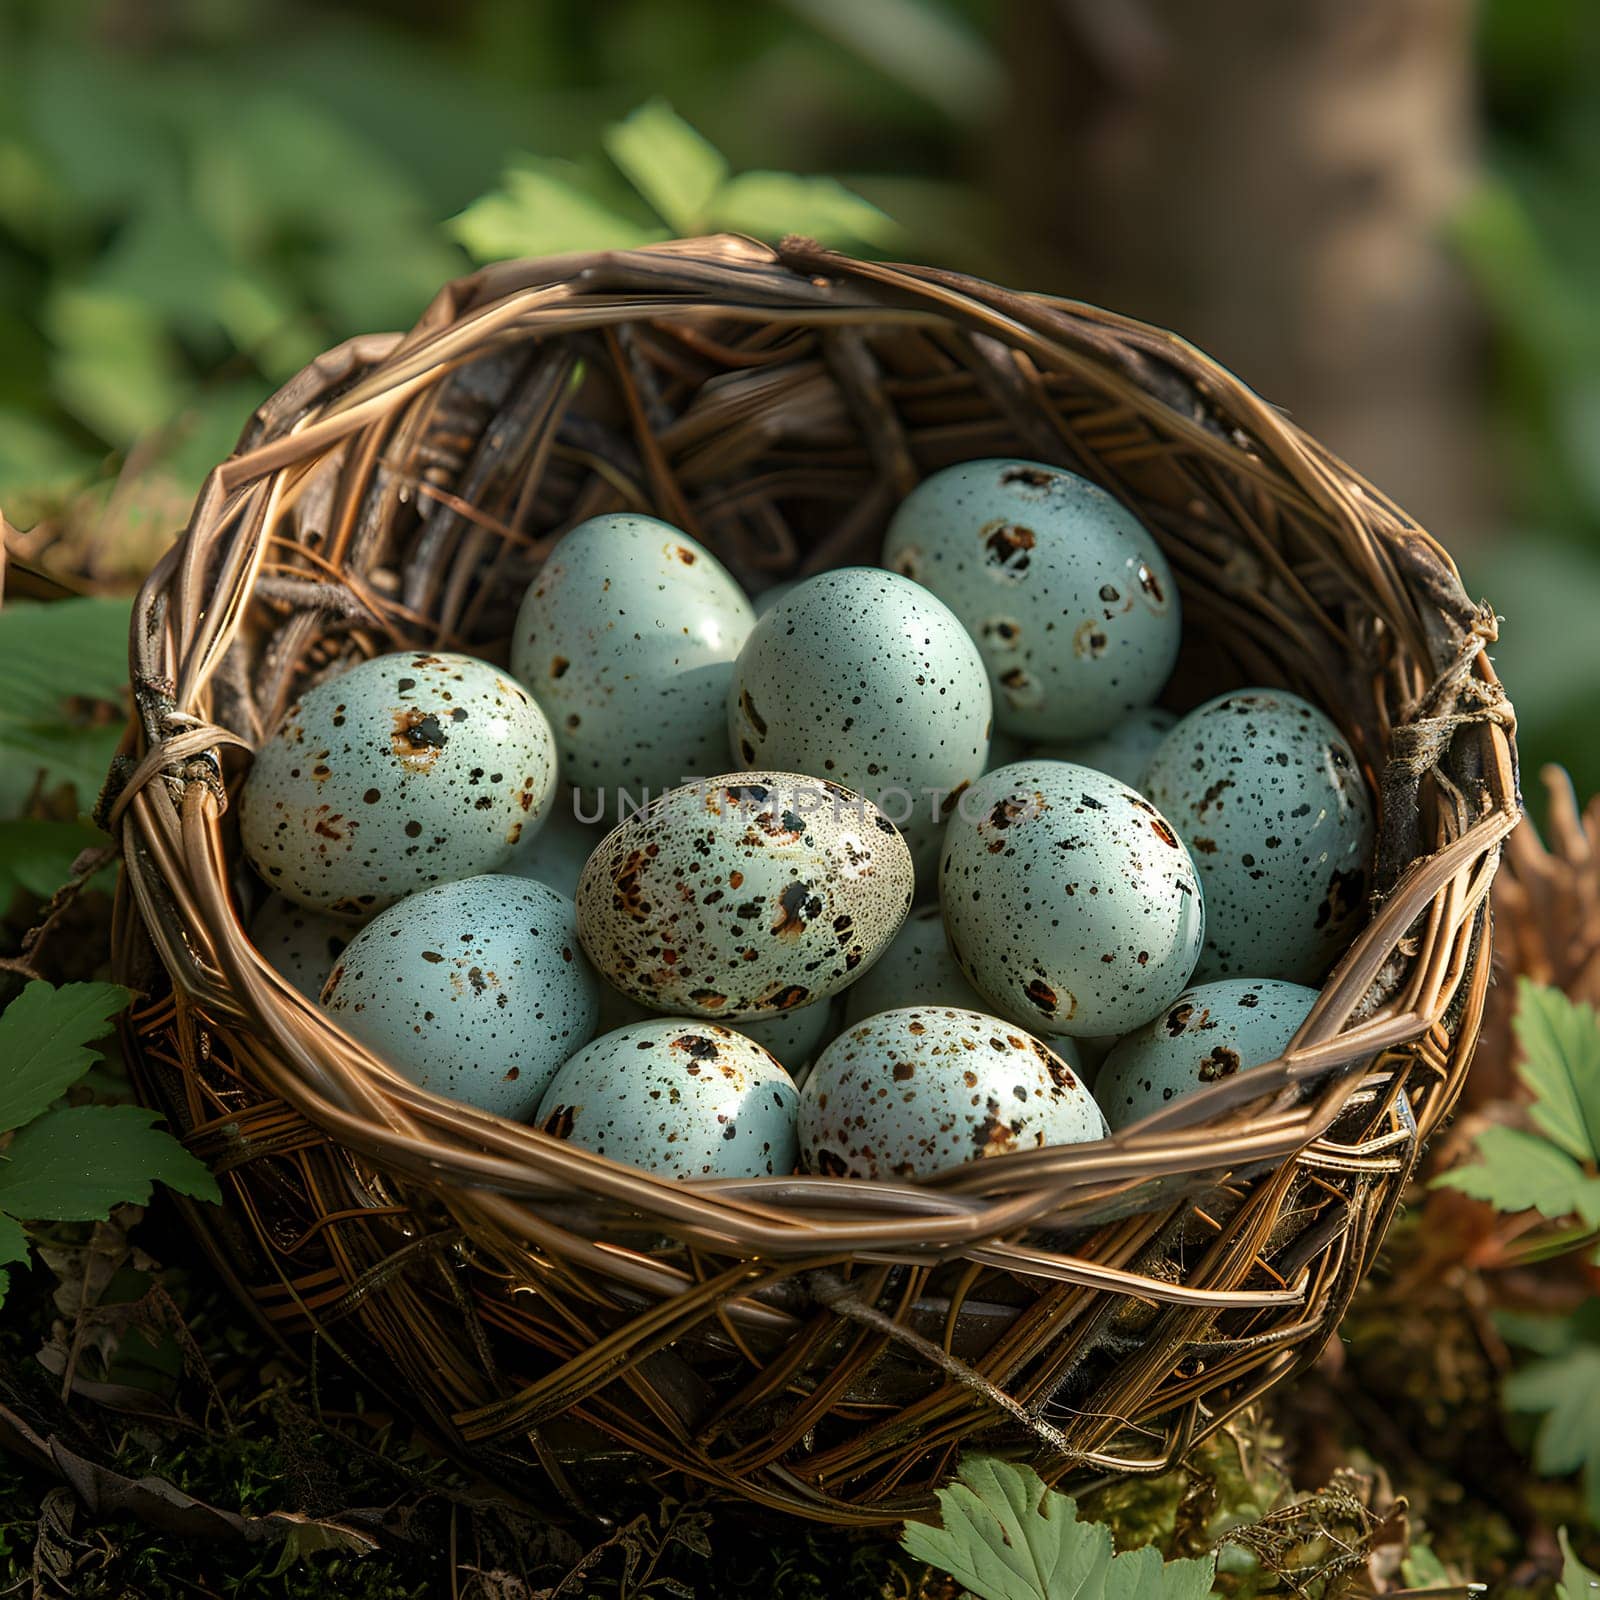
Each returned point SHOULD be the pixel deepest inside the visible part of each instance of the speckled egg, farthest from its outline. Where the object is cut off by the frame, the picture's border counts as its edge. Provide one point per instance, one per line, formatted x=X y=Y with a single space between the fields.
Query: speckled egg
x=408 y=770
x=1208 y=1033
x=1069 y=900
x=744 y=896
x=477 y=990
x=1069 y=597
x=863 y=677
x=1124 y=752
x=300 y=945
x=681 y=1099
x=556 y=853
x=1267 y=795
x=908 y=1093
x=627 y=638
x=794 y=1038
x=918 y=969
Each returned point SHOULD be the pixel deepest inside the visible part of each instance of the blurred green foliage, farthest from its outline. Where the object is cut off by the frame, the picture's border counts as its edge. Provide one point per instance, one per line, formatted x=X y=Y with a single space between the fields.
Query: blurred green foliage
x=1531 y=237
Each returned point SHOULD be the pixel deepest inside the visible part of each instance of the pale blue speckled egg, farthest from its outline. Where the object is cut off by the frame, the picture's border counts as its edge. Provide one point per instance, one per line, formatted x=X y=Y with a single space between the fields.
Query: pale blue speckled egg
x=1069 y=900
x=679 y=1098
x=300 y=944
x=865 y=678
x=408 y=770
x=1124 y=751
x=747 y=895
x=1268 y=797
x=1208 y=1033
x=918 y=969
x=477 y=990
x=915 y=1091
x=1069 y=597
x=627 y=638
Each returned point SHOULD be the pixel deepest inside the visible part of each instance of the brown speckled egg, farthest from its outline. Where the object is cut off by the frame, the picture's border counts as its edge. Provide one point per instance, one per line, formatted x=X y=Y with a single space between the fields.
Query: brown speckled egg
x=681 y=1099
x=744 y=896
x=1069 y=901
x=908 y=1093
x=408 y=770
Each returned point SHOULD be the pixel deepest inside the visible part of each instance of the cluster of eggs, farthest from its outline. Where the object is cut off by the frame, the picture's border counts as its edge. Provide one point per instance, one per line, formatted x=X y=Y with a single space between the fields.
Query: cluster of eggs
x=863 y=879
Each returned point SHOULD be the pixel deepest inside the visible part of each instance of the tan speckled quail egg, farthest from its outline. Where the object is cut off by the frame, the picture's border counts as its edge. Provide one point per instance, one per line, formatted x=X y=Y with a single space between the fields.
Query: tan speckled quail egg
x=1069 y=901
x=744 y=896
x=556 y=853
x=865 y=678
x=407 y=770
x=681 y=1099
x=1124 y=752
x=1208 y=1033
x=627 y=638
x=301 y=945
x=908 y=1093
x=1069 y=597
x=918 y=969
x=1268 y=797
x=477 y=990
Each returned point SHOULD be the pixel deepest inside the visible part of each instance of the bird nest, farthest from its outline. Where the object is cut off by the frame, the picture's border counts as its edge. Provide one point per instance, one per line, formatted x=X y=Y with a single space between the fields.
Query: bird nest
x=821 y=1346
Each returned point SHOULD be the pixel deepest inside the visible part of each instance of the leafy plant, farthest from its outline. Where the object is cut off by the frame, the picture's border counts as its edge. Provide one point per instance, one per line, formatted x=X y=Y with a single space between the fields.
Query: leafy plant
x=680 y=184
x=1007 y=1537
x=72 y=1163
x=1550 y=1169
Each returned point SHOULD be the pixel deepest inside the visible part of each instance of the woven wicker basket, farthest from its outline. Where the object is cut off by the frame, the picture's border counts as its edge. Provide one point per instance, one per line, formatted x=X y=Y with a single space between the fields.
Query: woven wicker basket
x=815 y=1345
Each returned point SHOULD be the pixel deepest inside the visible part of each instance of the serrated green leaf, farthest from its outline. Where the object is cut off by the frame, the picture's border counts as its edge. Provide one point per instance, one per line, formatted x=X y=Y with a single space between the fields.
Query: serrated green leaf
x=38 y=856
x=772 y=204
x=1561 y=1064
x=1006 y=1537
x=1578 y=1582
x=75 y=1164
x=13 y=1241
x=670 y=163
x=542 y=208
x=46 y=1036
x=1517 y=1171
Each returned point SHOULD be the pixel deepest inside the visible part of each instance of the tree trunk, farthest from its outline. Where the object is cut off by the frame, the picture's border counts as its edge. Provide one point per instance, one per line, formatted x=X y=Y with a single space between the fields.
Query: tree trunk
x=1270 y=178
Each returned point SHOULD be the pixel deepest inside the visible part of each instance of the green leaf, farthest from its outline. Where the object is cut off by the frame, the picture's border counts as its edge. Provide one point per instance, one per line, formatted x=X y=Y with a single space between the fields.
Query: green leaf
x=772 y=204
x=1578 y=1582
x=75 y=1164
x=1561 y=1064
x=13 y=1241
x=38 y=856
x=1563 y=1388
x=671 y=164
x=542 y=208
x=58 y=657
x=13 y=1247
x=69 y=647
x=1518 y=1171
x=1007 y=1537
x=45 y=1039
